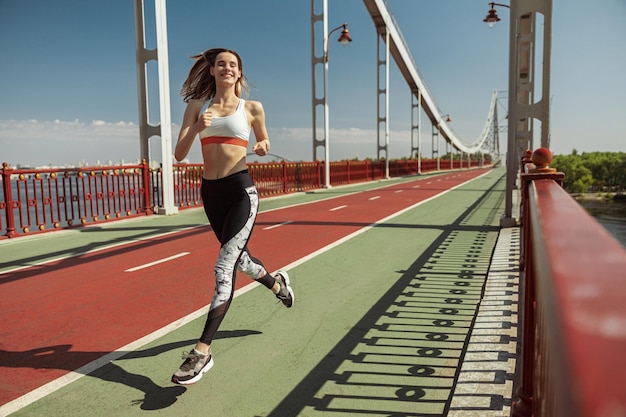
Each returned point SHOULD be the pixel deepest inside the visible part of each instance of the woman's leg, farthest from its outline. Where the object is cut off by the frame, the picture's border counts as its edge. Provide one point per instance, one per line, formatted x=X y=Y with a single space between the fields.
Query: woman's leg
x=231 y=209
x=235 y=232
x=255 y=269
x=279 y=284
x=232 y=215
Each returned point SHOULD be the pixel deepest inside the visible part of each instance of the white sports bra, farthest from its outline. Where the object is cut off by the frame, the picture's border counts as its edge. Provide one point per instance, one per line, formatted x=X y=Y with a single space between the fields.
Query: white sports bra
x=232 y=129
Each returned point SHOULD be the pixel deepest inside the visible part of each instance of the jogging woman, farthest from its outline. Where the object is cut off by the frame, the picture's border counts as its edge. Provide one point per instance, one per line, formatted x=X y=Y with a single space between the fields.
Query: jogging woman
x=217 y=113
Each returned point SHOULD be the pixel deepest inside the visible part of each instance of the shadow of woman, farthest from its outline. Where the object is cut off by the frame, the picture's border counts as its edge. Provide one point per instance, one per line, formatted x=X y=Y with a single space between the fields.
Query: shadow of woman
x=100 y=365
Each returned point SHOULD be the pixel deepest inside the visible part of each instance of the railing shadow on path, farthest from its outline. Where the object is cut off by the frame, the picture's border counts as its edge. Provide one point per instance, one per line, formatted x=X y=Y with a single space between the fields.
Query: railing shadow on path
x=403 y=357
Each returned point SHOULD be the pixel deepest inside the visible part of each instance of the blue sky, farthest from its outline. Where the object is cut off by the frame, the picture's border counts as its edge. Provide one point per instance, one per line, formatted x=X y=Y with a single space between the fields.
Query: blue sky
x=68 y=75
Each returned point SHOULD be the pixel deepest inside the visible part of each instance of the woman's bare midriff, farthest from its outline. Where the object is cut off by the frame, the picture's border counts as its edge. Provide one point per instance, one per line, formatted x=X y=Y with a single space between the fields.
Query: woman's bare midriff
x=222 y=160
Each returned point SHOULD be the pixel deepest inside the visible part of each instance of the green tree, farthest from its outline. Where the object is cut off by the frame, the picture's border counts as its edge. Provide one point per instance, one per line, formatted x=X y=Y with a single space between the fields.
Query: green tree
x=578 y=178
x=592 y=171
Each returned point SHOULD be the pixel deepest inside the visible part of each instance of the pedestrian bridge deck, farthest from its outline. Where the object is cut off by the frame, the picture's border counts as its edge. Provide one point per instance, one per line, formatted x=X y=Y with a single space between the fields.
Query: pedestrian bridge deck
x=411 y=315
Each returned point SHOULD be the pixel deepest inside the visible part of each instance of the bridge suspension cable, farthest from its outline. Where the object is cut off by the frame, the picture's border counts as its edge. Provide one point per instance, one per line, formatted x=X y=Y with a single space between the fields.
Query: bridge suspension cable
x=388 y=29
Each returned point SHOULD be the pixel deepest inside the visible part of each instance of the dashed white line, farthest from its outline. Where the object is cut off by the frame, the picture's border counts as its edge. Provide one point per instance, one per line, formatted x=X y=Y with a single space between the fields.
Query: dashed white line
x=374 y=198
x=398 y=191
x=338 y=208
x=277 y=225
x=160 y=261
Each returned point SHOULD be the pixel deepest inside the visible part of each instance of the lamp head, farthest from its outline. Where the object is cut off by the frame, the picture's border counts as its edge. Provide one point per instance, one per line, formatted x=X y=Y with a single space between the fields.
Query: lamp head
x=345 y=38
x=492 y=17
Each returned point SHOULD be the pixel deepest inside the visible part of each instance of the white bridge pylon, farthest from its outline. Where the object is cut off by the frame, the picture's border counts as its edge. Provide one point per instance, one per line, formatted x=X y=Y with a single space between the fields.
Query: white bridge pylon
x=388 y=29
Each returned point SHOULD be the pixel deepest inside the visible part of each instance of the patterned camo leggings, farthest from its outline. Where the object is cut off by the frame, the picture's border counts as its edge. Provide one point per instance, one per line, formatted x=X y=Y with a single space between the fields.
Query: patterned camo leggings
x=231 y=204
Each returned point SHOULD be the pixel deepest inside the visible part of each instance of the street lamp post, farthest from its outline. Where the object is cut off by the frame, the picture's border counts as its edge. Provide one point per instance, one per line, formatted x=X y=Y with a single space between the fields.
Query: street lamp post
x=344 y=39
x=511 y=166
x=448 y=119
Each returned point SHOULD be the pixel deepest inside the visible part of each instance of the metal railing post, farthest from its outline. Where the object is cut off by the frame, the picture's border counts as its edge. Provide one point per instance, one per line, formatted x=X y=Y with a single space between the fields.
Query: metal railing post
x=285 y=186
x=8 y=200
x=147 y=201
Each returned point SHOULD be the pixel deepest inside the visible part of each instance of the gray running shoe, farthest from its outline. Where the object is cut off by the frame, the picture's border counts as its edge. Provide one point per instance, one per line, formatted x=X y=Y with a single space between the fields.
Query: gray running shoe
x=192 y=369
x=286 y=293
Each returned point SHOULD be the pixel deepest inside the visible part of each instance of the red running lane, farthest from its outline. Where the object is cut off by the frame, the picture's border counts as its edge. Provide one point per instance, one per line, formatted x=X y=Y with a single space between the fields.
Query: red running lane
x=60 y=316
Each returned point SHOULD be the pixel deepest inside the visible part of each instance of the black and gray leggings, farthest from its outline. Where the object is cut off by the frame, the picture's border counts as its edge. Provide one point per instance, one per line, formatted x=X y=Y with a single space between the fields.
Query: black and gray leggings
x=231 y=204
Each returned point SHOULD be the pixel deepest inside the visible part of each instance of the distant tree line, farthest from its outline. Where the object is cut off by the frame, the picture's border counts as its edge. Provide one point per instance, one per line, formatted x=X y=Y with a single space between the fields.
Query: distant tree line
x=592 y=171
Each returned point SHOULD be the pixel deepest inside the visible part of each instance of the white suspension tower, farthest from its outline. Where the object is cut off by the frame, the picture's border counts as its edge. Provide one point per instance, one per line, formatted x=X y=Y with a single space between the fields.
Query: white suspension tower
x=164 y=128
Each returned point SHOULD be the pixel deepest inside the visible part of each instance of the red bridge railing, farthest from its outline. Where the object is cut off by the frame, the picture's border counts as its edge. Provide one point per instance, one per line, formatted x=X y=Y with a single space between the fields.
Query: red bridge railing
x=42 y=200
x=574 y=310
x=50 y=199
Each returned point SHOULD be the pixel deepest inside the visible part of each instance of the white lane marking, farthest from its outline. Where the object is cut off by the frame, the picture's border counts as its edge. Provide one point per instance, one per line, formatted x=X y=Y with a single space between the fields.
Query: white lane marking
x=398 y=191
x=277 y=225
x=416 y=186
x=374 y=198
x=338 y=208
x=160 y=261
x=129 y=241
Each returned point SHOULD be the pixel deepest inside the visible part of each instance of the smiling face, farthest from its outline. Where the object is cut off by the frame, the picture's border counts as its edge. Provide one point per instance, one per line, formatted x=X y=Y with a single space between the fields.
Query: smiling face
x=227 y=68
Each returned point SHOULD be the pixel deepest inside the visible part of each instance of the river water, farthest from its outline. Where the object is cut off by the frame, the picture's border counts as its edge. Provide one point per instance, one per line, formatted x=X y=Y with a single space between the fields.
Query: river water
x=610 y=214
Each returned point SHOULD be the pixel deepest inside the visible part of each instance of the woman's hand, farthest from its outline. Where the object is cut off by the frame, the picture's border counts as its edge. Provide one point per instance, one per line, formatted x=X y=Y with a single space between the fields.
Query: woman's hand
x=262 y=147
x=205 y=120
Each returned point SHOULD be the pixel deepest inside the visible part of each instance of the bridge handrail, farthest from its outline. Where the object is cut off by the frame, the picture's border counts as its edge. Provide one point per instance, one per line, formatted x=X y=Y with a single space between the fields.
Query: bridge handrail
x=43 y=200
x=574 y=308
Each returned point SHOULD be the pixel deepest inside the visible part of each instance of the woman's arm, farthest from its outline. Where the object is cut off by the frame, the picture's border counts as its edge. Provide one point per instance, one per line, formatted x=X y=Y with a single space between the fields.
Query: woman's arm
x=191 y=126
x=257 y=115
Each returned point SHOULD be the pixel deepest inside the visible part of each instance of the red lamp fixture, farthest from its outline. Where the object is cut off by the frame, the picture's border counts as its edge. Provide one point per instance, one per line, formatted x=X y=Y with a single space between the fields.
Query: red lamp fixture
x=344 y=38
x=492 y=16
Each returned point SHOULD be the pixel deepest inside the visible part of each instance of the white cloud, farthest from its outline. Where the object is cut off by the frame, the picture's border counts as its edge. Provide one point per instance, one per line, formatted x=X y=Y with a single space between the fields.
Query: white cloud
x=34 y=142
x=297 y=143
x=37 y=143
